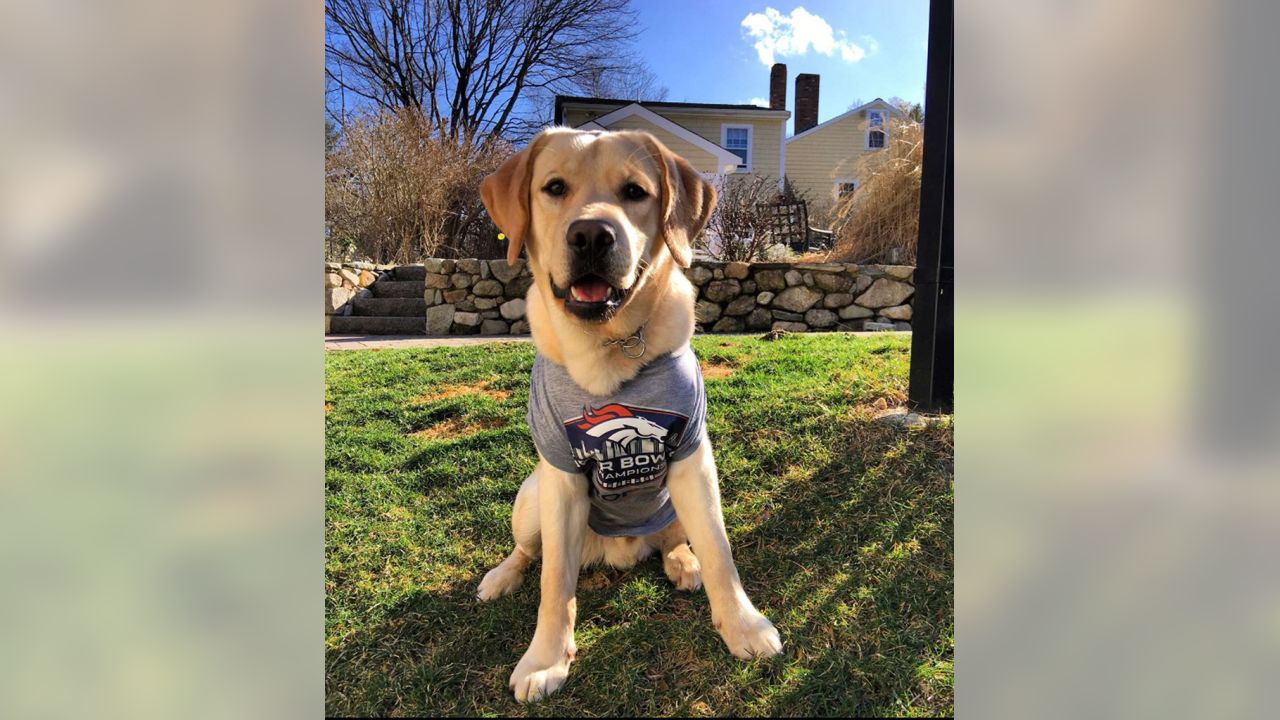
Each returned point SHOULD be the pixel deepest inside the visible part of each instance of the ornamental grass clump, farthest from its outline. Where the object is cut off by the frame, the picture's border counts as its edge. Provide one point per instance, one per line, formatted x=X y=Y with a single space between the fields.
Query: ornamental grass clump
x=879 y=222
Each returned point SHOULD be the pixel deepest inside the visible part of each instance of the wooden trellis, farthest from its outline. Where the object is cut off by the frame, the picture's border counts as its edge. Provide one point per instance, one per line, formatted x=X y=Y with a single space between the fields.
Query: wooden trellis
x=789 y=223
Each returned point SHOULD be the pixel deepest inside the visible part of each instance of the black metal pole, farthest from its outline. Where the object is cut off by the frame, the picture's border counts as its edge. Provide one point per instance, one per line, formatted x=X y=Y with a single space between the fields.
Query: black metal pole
x=933 y=310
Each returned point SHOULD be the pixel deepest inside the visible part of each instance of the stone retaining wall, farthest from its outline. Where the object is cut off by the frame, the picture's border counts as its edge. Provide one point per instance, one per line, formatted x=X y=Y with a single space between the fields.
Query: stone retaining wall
x=486 y=297
x=801 y=297
x=344 y=282
x=476 y=297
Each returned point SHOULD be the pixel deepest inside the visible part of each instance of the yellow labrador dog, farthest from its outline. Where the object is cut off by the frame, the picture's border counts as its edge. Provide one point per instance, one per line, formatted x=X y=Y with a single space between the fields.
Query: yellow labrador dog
x=616 y=403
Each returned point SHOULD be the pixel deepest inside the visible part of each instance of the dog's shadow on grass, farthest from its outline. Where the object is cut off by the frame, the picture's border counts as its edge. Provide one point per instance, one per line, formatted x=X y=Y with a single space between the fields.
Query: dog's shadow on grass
x=447 y=653
x=874 y=607
x=853 y=564
x=858 y=557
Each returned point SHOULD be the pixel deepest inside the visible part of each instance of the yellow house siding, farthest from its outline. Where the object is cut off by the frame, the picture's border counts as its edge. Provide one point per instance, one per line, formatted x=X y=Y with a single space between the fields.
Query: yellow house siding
x=831 y=151
x=701 y=160
x=766 y=134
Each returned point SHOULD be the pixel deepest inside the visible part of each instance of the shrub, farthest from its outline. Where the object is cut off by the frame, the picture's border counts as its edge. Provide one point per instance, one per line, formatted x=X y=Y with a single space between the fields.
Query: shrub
x=738 y=229
x=398 y=189
x=880 y=221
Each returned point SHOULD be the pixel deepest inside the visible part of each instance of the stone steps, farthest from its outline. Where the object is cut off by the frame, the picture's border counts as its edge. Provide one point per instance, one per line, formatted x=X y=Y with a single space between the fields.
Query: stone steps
x=398 y=289
x=369 y=325
x=389 y=307
x=395 y=306
x=410 y=272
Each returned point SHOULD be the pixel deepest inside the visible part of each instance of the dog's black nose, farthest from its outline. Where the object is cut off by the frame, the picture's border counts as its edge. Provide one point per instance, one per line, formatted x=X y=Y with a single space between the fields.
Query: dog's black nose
x=590 y=238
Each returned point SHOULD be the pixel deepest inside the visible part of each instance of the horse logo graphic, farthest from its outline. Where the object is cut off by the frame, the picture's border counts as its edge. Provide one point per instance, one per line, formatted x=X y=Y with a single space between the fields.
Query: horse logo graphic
x=624 y=445
x=625 y=429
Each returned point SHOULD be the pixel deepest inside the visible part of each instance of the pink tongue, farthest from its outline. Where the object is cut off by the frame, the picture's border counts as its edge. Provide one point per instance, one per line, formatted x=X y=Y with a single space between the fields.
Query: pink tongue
x=591 y=289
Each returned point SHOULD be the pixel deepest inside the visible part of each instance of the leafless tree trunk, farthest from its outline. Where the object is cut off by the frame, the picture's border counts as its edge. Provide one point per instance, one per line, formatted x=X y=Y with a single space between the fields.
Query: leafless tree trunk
x=467 y=65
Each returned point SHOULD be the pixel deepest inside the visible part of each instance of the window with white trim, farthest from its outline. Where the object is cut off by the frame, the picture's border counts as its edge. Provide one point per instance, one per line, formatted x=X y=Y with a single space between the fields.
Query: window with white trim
x=877 y=129
x=737 y=140
x=844 y=187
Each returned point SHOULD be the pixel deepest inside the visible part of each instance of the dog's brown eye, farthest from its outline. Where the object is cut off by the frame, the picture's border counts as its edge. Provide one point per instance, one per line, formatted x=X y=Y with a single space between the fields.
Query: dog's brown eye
x=555 y=188
x=632 y=191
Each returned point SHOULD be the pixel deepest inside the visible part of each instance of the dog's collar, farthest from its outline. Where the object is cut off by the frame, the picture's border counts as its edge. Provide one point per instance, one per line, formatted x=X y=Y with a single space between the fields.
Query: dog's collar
x=632 y=346
x=633 y=343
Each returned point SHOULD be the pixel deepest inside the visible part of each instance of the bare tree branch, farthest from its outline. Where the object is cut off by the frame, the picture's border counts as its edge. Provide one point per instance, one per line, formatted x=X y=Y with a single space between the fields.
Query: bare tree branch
x=637 y=82
x=469 y=65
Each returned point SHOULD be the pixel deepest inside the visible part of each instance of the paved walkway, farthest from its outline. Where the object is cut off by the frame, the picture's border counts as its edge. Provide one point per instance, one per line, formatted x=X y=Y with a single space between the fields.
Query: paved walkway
x=379 y=342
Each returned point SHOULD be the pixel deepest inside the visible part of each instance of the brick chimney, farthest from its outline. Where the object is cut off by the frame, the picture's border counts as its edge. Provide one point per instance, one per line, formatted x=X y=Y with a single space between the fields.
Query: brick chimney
x=778 y=87
x=806 y=101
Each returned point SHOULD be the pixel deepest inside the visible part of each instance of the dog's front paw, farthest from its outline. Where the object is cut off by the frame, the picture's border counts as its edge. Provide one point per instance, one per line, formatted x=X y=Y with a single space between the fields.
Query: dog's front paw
x=497 y=582
x=540 y=673
x=749 y=634
x=683 y=569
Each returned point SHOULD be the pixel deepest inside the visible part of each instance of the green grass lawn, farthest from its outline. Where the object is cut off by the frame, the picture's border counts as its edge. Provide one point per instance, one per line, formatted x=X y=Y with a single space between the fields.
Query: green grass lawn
x=841 y=527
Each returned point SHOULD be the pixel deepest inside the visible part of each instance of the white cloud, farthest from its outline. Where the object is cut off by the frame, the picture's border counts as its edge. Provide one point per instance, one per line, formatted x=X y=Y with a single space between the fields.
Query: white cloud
x=757 y=101
x=779 y=35
x=852 y=53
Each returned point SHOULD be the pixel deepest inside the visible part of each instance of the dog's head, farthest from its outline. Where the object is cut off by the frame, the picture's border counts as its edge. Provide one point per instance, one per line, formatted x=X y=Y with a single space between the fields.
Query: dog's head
x=596 y=210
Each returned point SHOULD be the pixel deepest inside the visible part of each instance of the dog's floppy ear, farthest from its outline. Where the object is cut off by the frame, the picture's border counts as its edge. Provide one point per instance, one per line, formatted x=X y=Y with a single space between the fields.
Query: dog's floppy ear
x=505 y=194
x=687 y=202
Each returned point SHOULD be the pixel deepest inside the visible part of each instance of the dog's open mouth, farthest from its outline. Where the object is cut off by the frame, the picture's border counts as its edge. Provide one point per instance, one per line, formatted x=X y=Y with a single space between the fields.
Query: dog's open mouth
x=591 y=297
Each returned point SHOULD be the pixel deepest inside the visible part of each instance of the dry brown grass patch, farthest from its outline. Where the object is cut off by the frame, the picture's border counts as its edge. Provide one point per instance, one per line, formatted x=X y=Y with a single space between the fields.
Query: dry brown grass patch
x=595 y=581
x=718 y=369
x=875 y=407
x=452 y=391
x=456 y=427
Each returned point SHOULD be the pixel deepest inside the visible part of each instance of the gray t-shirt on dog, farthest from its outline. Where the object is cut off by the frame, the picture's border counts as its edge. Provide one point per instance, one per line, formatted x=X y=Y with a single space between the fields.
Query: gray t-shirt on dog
x=622 y=442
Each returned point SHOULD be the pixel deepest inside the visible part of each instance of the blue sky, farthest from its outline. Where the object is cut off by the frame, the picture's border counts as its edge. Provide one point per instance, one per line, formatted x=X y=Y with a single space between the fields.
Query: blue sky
x=702 y=51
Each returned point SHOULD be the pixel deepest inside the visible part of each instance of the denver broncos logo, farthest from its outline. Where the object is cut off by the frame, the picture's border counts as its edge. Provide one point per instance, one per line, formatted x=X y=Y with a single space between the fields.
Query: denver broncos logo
x=617 y=423
x=623 y=445
x=592 y=417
